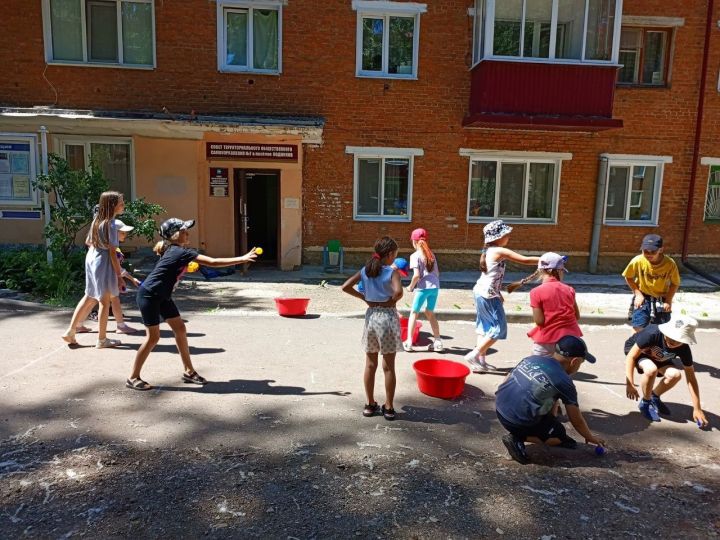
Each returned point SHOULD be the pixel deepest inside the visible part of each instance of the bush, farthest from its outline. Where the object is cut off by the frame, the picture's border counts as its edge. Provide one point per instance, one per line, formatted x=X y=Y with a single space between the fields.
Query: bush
x=26 y=269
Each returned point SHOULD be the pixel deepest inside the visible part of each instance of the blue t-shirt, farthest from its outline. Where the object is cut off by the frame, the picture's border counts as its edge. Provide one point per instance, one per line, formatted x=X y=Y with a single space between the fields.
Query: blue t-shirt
x=531 y=389
x=378 y=289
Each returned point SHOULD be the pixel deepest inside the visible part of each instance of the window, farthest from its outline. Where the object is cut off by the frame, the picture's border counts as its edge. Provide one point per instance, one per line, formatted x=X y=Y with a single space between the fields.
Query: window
x=387 y=38
x=18 y=170
x=249 y=36
x=569 y=31
x=115 y=32
x=643 y=55
x=383 y=183
x=633 y=189
x=521 y=186
x=712 y=200
x=114 y=156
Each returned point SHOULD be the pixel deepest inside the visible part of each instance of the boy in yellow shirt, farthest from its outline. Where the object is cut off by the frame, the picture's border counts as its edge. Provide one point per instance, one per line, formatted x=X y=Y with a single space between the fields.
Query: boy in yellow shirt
x=654 y=279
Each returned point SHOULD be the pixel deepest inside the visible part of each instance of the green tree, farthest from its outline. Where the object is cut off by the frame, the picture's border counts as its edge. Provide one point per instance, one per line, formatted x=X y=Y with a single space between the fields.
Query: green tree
x=74 y=194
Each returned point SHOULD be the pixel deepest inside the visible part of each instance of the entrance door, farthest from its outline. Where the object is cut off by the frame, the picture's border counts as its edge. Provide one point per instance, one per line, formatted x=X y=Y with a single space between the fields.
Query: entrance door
x=257 y=213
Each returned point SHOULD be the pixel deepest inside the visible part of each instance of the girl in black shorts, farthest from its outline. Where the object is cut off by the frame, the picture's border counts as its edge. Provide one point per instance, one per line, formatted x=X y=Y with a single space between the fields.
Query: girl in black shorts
x=154 y=296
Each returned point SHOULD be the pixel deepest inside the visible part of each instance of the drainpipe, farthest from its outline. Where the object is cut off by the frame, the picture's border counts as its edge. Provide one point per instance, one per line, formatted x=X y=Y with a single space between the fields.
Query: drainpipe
x=696 y=150
x=46 y=196
x=597 y=220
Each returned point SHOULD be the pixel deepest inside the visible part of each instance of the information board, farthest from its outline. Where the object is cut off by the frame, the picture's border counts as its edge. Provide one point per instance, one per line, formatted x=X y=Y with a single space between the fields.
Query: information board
x=17 y=170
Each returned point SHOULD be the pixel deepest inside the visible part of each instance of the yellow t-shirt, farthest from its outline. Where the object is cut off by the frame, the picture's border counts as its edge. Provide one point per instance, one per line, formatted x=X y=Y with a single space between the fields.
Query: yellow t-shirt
x=653 y=280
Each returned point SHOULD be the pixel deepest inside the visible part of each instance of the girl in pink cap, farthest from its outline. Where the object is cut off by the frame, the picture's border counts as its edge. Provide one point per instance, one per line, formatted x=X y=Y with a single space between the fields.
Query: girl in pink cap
x=426 y=284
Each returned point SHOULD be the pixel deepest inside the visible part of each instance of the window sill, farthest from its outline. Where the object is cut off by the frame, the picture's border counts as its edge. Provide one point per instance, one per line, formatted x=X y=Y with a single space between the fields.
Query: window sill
x=227 y=69
x=633 y=86
x=398 y=219
x=386 y=76
x=101 y=65
x=512 y=221
x=630 y=223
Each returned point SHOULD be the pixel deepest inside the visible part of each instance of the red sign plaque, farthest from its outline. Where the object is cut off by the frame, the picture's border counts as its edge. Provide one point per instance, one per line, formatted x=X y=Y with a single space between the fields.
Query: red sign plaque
x=255 y=151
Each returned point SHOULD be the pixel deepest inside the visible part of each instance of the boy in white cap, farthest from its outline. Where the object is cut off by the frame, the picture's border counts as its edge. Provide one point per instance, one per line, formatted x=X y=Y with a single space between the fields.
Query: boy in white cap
x=653 y=277
x=652 y=352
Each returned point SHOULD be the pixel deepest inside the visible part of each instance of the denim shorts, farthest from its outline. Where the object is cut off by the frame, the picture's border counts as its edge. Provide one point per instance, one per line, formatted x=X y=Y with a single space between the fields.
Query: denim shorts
x=648 y=312
x=427 y=297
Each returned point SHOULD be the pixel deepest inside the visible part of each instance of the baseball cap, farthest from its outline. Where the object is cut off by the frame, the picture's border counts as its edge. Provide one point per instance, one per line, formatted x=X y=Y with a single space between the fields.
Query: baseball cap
x=120 y=226
x=173 y=225
x=573 y=347
x=401 y=265
x=652 y=242
x=552 y=261
x=418 y=234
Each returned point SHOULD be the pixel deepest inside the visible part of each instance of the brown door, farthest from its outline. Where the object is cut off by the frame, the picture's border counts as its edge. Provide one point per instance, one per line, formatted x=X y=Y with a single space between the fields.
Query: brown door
x=257 y=204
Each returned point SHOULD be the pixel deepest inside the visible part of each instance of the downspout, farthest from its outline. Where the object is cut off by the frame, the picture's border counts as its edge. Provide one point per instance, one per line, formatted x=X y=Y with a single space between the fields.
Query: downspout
x=46 y=196
x=597 y=220
x=696 y=150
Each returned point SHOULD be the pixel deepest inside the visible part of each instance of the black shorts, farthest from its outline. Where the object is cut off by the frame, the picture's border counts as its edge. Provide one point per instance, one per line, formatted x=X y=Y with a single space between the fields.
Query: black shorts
x=153 y=308
x=548 y=427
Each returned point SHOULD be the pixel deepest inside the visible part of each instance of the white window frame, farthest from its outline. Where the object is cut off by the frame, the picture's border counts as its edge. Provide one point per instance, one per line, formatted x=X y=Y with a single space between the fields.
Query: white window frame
x=32 y=140
x=62 y=141
x=500 y=156
x=361 y=152
x=628 y=160
x=487 y=35
x=385 y=10
x=224 y=6
x=86 y=62
x=710 y=162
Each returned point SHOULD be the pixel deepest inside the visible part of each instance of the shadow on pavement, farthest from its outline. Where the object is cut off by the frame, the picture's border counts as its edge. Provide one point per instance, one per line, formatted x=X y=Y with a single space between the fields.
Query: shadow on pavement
x=245 y=386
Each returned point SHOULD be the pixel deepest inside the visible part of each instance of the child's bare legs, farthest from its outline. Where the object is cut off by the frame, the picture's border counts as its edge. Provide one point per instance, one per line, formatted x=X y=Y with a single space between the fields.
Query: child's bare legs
x=411 y=328
x=178 y=327
x=152 y=336
x=103 y=314
x=122 y=327
x=82 y=310
x=371 y=364
x=389 y=371
x=484 y=343
x=434 y=326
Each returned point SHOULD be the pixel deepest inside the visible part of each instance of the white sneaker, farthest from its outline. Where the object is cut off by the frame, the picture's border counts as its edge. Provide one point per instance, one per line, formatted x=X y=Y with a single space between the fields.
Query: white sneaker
x=407 y=347
x=437 y=345
x=481 y=366
x=471 y=357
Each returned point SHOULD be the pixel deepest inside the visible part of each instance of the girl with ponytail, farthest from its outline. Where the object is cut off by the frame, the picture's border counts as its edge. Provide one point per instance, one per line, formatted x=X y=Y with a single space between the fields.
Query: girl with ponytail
x=490 y=322
x=426 y=284
x=555 y=311
x=381 y=291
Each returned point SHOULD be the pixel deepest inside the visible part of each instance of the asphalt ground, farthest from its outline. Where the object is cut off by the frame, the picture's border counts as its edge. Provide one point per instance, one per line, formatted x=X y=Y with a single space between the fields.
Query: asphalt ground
x=276 y=446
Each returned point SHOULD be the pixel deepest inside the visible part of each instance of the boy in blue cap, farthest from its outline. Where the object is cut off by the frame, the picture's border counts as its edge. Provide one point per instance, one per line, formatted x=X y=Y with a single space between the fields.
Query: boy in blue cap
x=524 y=401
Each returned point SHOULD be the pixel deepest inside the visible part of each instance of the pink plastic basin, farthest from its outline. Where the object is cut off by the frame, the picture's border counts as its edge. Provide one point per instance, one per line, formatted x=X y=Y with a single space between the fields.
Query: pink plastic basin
x=404 y=329
x=292 y=307
x=440 y=378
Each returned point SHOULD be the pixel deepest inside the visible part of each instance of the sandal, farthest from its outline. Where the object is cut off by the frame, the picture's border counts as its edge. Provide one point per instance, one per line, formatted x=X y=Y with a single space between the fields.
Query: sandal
x=370 y=409
x=126 y=329
x=137 y=384
x=193 y=378
x=107 y=343
x=388 y=414
x=69 y=338
x=82 y=329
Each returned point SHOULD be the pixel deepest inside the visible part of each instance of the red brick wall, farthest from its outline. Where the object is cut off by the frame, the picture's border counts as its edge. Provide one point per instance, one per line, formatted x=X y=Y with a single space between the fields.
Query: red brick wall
x=319 y=79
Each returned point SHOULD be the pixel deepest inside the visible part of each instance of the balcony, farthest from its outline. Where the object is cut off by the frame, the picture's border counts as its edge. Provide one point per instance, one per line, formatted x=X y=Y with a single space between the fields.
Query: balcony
x=543 y=96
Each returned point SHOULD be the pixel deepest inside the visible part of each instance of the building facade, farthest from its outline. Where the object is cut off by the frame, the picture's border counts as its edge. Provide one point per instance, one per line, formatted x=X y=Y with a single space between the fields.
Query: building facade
x=287 y=123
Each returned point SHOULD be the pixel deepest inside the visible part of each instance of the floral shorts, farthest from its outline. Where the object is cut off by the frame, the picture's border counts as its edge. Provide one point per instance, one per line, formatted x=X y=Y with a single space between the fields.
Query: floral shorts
x=382 y=331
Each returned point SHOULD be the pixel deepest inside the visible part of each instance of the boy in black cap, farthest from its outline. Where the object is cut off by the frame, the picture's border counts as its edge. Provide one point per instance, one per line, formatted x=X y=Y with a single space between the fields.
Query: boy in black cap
x=524 y=401
x=654 y=279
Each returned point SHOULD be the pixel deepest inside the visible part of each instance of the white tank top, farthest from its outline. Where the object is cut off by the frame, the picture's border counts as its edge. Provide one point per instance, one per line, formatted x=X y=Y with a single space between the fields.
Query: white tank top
x=490 y=282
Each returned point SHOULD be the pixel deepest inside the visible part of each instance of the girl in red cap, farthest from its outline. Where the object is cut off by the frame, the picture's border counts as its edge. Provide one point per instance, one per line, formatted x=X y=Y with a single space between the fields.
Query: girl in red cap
x=426 y=284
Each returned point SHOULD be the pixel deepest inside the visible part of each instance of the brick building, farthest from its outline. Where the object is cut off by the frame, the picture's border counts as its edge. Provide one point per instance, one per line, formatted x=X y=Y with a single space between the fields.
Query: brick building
x=287 y=123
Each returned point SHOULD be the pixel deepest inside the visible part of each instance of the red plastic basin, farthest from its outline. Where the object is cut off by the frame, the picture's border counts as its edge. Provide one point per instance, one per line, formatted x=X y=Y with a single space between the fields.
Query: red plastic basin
x=292 y=307
x=440 y=378
x=404 y=329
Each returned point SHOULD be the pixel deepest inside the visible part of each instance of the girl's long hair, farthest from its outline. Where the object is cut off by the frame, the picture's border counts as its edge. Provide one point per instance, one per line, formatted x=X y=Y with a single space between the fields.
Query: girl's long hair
x=383 y=247
x=428 y=256
x=483 y=255
x=536 y=275
x=163 y=244
x=99 y=233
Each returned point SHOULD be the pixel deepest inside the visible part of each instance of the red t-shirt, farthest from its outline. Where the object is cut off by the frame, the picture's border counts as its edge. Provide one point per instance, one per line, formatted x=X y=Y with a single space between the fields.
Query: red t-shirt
x=557 y=302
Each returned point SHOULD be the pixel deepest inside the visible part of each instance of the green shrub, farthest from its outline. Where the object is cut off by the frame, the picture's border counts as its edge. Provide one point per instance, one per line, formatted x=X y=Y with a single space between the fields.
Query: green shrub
x=26 y=269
